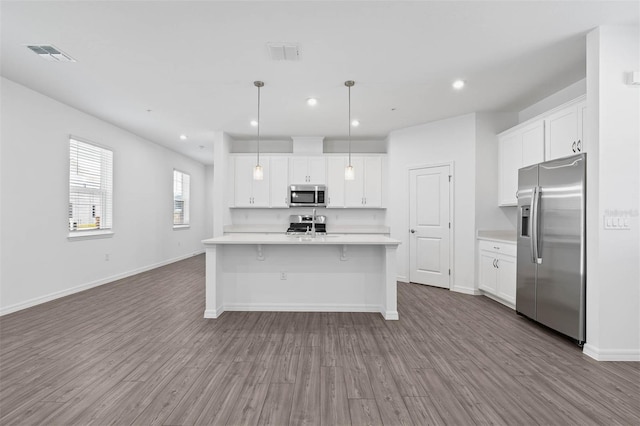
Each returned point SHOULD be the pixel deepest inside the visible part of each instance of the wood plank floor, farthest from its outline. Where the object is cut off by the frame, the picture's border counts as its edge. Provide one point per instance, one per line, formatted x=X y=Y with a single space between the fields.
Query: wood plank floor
x=138 y=351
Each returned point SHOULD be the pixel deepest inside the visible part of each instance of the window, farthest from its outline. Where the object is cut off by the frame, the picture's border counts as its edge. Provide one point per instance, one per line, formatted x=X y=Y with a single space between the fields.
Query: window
x=181 y=183
x=90 y=187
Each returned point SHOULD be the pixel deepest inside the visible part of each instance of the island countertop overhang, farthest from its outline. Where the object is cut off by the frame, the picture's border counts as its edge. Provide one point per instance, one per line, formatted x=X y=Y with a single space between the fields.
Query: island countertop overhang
x=280 y=239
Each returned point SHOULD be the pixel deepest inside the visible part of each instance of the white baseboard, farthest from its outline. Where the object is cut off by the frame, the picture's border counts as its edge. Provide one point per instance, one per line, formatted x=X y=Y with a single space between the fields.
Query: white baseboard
x=466 y=290
x=299 y=307
x=611 y=354
x=402 y=279
x=58 y=294
x=213 y=313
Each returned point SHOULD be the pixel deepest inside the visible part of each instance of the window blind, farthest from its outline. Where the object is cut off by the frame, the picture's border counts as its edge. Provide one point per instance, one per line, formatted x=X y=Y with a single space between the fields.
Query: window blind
x=181 y=188
x=90 y=186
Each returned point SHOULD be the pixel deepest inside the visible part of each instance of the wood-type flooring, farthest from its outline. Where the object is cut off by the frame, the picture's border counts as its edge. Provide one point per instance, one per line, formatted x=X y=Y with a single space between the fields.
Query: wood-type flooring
x=138 y=351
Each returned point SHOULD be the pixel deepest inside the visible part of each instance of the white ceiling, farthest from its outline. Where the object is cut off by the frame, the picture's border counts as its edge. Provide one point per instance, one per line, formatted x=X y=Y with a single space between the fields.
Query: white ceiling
x=193 y=63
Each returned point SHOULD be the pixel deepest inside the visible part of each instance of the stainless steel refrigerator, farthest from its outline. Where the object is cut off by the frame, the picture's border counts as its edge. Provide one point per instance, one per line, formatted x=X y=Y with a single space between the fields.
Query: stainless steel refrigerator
x=551 y=280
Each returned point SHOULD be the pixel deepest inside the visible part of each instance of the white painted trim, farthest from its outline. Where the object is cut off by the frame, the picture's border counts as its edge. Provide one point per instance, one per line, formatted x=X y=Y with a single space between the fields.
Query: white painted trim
x=611 y=354
x=213 y=313
x=53 y=296
x=402 y=279
x=497 y=299
x=302 y=307
x=466 y=290
x=390 y=315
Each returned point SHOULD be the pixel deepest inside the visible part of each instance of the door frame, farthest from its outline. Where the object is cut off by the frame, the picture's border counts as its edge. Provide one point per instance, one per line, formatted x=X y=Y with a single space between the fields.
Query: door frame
x=452 y=175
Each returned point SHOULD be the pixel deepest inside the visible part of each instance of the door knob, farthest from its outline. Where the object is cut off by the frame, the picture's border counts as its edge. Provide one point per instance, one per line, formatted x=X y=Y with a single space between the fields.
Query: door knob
x=413 y=231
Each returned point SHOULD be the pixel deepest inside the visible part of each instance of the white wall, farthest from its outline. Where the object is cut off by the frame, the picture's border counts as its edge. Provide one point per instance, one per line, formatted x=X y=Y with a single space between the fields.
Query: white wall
x=488 y=214
x=222 y=189
x=444 y=141
x=209 y=200
x=38 y=261
x=567 y=94
x=613 y=184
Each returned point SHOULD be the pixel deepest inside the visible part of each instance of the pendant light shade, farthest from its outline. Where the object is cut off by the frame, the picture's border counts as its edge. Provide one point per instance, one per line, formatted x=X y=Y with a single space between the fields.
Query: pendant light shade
x=349 y=173
x=258 y=174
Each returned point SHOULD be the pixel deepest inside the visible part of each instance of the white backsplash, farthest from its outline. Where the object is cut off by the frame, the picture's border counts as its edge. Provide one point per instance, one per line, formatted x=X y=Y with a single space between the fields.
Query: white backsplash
x=342 y=217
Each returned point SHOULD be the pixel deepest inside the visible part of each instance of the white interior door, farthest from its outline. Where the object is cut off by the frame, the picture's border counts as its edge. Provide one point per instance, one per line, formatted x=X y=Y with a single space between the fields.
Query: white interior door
x=429 y=222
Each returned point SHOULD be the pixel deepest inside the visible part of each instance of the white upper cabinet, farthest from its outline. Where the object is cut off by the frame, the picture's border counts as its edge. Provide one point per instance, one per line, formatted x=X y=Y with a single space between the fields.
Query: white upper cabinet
x=310 y=170
x=279 y=172
x=510 y=160
x=556 y=134
x=532 y=143
x=335 y=181
x=521 y=146
x=366 y=188
x=271 y=191
x=563 y=131
x=279 y=181
x=247 y=191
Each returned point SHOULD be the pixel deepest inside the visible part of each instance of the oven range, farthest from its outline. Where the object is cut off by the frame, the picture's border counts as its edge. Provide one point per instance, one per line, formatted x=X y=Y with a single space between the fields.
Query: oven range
x=303 y=224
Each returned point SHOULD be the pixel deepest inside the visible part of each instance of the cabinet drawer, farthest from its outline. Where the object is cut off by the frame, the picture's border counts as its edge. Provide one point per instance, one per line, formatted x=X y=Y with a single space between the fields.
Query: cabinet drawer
x=508 y=249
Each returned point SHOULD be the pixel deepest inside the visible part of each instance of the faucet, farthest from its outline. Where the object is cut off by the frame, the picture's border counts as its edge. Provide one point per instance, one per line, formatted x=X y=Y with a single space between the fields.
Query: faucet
x=313 y=224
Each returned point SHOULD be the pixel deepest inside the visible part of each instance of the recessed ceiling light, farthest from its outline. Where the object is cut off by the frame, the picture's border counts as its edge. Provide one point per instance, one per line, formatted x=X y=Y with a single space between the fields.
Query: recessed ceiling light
x=355 y=123
x=183 y=137
x=458 y=84
x=312 y=101
x=254 y=123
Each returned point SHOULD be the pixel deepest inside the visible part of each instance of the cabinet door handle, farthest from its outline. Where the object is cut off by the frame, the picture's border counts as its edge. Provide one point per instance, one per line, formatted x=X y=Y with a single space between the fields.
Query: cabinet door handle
x=497 y=263
x=579 y=146
x=413 y=231
x=573 y=146
x=496 y=247
x=494 y=263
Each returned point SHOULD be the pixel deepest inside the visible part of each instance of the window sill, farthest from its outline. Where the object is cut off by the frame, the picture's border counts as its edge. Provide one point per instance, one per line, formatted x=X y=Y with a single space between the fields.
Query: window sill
x=176 y=227
x=89 y=235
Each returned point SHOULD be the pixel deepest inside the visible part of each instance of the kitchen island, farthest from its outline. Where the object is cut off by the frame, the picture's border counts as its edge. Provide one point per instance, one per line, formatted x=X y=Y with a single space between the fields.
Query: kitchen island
x=332 y=273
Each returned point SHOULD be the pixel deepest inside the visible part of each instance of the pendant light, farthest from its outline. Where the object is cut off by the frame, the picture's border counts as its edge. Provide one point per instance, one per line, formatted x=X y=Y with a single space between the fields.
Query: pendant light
x=258 y=174
x=349 y=173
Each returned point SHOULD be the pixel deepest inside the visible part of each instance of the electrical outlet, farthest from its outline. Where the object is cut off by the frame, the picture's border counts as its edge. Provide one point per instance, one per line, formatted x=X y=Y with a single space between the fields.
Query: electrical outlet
x=283 y=275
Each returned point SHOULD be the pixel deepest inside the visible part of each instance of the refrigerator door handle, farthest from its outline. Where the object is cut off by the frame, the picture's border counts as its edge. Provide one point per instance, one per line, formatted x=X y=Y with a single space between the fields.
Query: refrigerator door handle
x=535 y=205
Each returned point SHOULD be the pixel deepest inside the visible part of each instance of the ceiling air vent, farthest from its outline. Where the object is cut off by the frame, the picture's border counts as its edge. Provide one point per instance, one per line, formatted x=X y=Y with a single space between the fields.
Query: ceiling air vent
x=50 y=53
x=284 y=51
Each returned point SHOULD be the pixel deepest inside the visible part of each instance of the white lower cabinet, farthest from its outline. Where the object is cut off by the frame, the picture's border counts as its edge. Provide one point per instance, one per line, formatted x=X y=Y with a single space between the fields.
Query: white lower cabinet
x=497 y=269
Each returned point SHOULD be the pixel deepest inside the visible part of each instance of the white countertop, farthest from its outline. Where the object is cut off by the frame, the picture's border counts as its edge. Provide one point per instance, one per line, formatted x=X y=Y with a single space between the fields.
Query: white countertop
x=504 y=236
x=257 y=238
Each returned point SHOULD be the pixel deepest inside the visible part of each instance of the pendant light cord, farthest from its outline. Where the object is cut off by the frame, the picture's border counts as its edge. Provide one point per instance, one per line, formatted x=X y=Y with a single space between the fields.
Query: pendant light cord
x=349 y=125
x=349 y=83
x=259 y=125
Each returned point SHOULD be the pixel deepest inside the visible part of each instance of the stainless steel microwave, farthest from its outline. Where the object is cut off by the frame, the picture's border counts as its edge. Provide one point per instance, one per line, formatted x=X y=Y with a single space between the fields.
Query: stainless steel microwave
x=307 y=195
